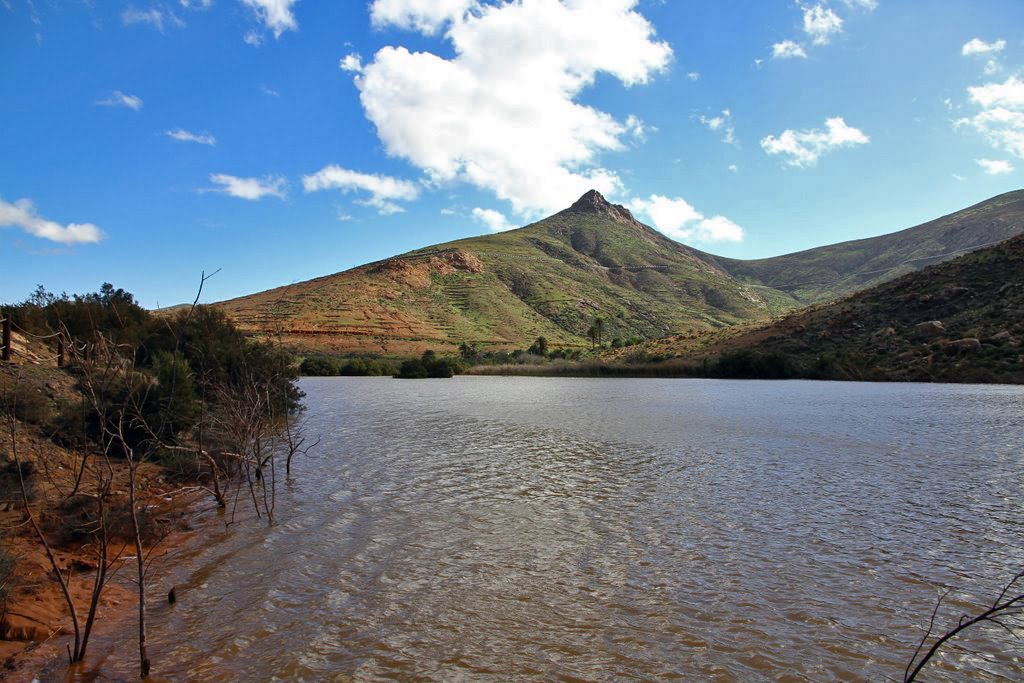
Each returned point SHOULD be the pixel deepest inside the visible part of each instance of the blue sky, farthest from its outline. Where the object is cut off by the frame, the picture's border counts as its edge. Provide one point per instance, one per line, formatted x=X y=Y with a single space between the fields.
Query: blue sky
x=144 y=142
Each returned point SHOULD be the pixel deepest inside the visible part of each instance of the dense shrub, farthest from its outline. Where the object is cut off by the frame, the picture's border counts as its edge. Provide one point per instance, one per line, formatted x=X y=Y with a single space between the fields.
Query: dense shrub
x=429 y=365
x=320 y=366
x=746 y=364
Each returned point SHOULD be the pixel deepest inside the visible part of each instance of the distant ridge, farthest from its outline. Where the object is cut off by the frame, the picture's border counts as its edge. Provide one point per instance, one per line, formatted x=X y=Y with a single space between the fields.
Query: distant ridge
x=553 y=278
x=826 y=273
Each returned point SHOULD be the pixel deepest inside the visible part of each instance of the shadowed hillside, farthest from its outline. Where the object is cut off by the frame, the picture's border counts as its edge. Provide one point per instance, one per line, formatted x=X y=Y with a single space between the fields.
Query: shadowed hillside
x=959 y=321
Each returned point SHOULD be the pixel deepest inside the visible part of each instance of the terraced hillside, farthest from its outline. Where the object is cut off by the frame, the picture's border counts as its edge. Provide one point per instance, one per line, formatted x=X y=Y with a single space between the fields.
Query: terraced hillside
x=551 y=278
x=593 y=260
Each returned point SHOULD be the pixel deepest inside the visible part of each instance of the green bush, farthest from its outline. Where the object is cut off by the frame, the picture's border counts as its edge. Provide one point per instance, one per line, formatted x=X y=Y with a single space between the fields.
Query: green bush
x=429 y=365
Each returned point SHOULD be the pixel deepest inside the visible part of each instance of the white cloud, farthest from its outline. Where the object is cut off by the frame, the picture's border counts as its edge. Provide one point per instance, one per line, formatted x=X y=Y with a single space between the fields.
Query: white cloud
x=803 y=148
x=958 y=177
x=637 y=128
x=196 y=4
x=733 y=168
x=721 y=123
x=183 y=135
x=693 y=75
x=787 y=49
x=384 y=190
x=995 y=166
x=676 y=218
x=820 y=23
x=268 y=91
x=351 y=62
x=22 y=214
x=1001 y=119
x=276 y=15
x=1008 y=94
x=501 y=113
x=447 y=212
x=249 y=188
x=119 y=99
x=153 y=17
x=977 y=46
x=494 y=220
x=868 y=5
x=425 y=16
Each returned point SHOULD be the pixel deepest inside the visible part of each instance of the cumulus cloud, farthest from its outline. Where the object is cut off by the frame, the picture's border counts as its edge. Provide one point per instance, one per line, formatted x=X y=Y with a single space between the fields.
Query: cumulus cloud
x=351 y=62
x=721 y=123
x=995 y=166
x=384 y=190
x=502 y=114
x=119 y=99
x=869 y=5
x=676 y=218
x=494 y=220
x=803 y=148
x=22 y=214
x=182 y=135
x=249 y=188
x=787 y=49
x=820 y=23
x=425 y=16
x=276 y=15
x=1001 y=119
x=977 y=46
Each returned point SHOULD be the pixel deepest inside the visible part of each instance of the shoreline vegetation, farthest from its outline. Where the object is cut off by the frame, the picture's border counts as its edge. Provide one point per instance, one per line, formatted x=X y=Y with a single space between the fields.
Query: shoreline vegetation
x=118 y=427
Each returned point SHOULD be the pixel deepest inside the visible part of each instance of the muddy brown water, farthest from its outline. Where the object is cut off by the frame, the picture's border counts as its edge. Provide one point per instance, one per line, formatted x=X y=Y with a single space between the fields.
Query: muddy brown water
x=503 y=529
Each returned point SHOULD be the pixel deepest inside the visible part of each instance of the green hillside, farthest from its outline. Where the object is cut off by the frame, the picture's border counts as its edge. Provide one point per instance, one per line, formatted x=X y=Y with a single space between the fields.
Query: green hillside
x=593 y=260
x=551 y=278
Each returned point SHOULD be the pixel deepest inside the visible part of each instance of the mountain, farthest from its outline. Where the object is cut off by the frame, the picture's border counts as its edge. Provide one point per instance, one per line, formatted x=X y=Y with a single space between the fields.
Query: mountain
x=554 y=277
x=830 y=272
x=958 y=321
x=551 y=278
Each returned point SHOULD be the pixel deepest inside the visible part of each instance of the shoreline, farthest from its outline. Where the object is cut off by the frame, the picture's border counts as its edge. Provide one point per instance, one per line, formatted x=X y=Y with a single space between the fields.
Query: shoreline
x=116 y=621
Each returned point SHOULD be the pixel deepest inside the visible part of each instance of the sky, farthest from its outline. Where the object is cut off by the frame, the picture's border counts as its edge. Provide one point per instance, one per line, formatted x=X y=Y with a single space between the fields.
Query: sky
x=145 y=142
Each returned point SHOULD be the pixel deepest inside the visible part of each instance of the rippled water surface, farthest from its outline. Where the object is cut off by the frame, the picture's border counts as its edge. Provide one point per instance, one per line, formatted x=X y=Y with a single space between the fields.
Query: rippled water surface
x=586 y=529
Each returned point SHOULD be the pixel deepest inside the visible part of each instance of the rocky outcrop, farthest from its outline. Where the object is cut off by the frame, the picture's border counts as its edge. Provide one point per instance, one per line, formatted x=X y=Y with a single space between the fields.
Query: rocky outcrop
x=594 y=203
x=929 y=329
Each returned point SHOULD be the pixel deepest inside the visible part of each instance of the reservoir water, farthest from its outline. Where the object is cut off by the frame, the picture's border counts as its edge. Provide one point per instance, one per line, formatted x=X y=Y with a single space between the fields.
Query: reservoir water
x=502 y=529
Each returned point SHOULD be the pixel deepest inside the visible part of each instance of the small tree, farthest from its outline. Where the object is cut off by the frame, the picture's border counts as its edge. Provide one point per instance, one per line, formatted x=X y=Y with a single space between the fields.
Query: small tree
x=540 y=347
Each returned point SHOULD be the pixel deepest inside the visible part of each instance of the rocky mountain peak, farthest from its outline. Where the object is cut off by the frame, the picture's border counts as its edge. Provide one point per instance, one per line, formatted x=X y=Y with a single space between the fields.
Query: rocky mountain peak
x=593 y=202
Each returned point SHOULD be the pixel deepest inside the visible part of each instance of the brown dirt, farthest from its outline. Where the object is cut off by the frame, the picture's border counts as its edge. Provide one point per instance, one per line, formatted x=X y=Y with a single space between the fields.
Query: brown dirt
x=35 y=624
